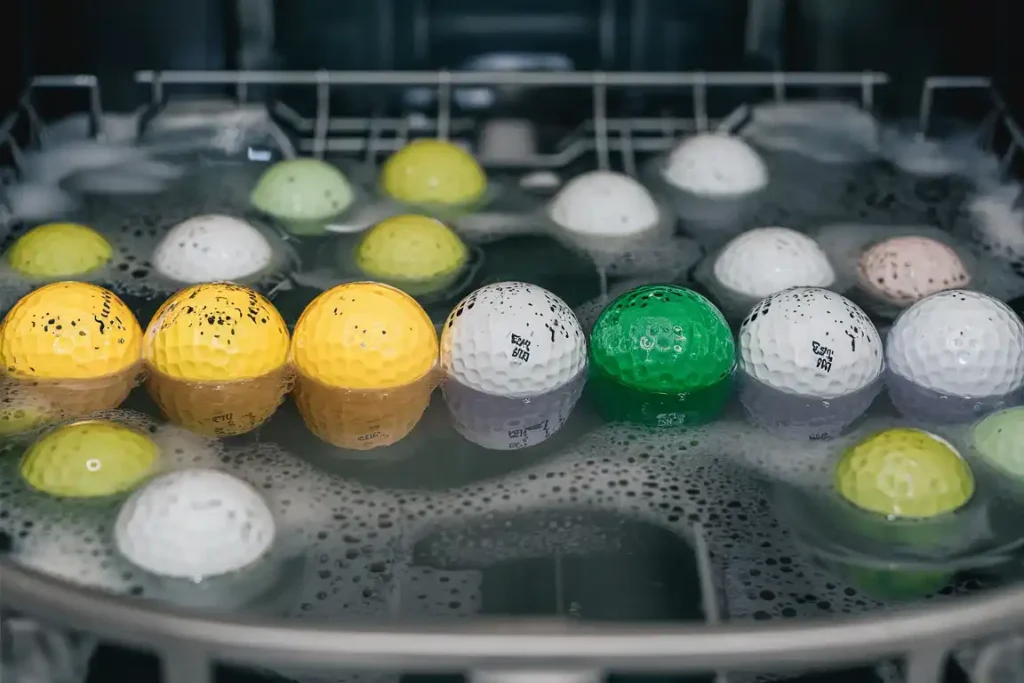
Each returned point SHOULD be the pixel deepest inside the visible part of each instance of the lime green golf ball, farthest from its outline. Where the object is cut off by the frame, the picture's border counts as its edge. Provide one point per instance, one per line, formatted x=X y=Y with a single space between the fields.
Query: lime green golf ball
x=999 y=439
x=88 y=460
x=904 y=473
x=664 y=339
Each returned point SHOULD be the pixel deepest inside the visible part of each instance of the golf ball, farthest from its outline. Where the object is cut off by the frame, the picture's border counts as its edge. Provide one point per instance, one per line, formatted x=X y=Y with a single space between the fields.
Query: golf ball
x=89 y=459
x=999 y=440
x=717 y=165
x=216 y=332
x=811 y=342
x=301 y=191
x=210 y=248
x=429 y=171
x=411 y=248
x=194 y=524
x=512 y=339
x=959 y=343
x=364 y=335
x=604 y=204
x=768 y=260
x=903 y=270
x=59 y=250
x=69 y=330
x=904 y=473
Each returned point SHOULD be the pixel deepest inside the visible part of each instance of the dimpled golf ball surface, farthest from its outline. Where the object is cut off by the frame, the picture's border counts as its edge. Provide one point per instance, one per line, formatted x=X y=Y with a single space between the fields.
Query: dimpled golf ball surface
x=999 y=439
x=59 y=250
x=959 y=343
x=768 y=260
x=194 y=524
x=69 y=330
x=603 y=203
x=364 y=335
x=433 y=172
x=512 y=339
x=301 y=190
x=811 y=342
x=903 y=270
x=410 y=247
x=715 y=164
x=663 y=338
x=212 y=247
x=217 y=331
x=88 y=459
x=904 y=473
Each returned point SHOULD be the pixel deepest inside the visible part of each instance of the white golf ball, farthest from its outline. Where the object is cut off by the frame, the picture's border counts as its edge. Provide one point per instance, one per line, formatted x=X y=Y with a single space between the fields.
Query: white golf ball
x=717 y=165
x=604 y=204
x=194 y=524
x=768 y=260
x=959 y=343
x=811 y=342
x=512 y=339
x=210 y=248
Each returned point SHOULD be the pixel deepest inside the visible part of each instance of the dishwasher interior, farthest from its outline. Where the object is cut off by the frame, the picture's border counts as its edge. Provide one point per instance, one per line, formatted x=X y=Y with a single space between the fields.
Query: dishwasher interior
x=586 y=503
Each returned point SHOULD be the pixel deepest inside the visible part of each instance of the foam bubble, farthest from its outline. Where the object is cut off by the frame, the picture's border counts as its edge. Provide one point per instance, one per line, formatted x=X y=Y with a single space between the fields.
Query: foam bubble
x=829 y=132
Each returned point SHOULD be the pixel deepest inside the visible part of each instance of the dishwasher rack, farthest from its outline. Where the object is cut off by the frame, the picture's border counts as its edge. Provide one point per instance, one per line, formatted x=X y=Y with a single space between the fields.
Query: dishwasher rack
x=497 y=650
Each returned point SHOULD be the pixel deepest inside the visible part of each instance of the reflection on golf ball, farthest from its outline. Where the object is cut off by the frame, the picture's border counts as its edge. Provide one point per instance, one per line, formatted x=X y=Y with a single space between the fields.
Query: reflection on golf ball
x=504 y=423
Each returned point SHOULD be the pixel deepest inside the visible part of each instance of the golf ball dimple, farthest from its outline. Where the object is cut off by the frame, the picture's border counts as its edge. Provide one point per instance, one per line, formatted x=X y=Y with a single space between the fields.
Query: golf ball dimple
x=364 y=335
x=512 y=339
x=903 y=270
x=959 y=343
x=428 y=171
x=217 y=331
x=89 y=459
x=904 y=473
x=811 y=342
x=302 y=190
x=212 y=247
x=768 y=260
x=604 y=203
x=194 y=524
x=59 y=250
x=411 y=248
x=69 y=330
x=999 y=440
x=664 y=339
x=717 y=165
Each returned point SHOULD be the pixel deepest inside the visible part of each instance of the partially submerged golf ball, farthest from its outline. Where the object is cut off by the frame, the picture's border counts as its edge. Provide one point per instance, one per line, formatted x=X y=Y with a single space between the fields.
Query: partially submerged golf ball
x=513 y=355
x=605 y=213
x=89 y=459
x=303 y=195
x=217 y=356
x=954 y=356
x=76 y=345
x=365 y=354
x=903 y=270
x=811 y=361
x=428 y=172
x=715 y=182
x=661 y=355
x=764 y=261
x=417 y=254
x=58 y=250
x=210 y=248
x=904 y=473
x=998 y=439
x=195 y=524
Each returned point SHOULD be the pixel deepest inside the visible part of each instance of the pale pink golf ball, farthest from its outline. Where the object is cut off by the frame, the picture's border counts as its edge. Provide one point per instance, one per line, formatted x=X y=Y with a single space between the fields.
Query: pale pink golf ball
x=903 y=270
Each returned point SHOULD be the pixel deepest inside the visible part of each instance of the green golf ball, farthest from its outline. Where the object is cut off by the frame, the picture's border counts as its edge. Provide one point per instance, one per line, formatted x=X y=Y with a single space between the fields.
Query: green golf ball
x=999 y=439
x=662 y=354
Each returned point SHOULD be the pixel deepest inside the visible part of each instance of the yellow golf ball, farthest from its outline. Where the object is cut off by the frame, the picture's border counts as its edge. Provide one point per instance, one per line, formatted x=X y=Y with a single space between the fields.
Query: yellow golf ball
x=69 y=330
x=411 y=248
x=364 y=335
x=433 y=172
x=88 y=460
x=904 y=473
x=59 y=250
x=216 y=331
